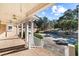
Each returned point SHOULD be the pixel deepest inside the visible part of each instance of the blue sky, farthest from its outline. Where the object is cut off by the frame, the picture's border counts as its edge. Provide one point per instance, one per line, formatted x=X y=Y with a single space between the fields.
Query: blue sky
x=54 y=12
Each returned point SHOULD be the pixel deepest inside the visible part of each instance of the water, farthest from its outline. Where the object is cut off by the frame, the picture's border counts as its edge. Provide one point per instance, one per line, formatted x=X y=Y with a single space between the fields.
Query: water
x=72 y=40
x=69 y=40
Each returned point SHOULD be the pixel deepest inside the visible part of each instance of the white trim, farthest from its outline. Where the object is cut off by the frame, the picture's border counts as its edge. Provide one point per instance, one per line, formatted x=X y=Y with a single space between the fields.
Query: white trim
x=21 y=30
x=17 y=30
x=32 y=25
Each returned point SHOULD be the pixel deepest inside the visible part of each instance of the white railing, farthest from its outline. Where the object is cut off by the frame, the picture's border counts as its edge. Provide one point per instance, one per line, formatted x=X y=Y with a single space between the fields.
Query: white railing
x=60 y=50
x=38 y=42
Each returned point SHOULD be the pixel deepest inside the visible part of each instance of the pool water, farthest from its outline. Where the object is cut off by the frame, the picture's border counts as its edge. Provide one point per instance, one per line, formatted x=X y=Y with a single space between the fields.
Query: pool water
x=72 y=41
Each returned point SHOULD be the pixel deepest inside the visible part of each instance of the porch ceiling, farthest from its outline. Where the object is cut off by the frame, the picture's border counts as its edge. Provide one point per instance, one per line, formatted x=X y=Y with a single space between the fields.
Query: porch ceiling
x=9 y=11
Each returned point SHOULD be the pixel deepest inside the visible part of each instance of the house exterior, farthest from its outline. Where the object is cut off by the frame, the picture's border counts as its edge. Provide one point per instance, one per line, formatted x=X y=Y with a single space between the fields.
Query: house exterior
x=15 y=15
x=18 y=18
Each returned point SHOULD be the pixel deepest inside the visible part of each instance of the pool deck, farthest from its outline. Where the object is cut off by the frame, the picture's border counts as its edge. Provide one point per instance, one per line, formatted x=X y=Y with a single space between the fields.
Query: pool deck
x=16 y=47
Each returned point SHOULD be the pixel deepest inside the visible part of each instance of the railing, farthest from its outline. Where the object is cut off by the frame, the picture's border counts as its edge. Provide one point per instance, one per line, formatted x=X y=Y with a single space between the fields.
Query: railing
x=60 y=50
x=37 y=42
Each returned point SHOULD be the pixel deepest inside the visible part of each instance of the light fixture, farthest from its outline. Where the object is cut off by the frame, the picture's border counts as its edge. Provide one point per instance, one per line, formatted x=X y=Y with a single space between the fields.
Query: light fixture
x=14 y=17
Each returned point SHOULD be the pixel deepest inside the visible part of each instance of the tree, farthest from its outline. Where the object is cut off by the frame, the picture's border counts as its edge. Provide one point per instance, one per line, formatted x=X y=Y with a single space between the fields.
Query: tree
x=45 y=23
x=62 y=24
x=74 y=25
x=69 y=21
x=51 y=24
x=75 y=13
x=39 y=23
x=68 y=15
x=42 y=23
x=61 y=18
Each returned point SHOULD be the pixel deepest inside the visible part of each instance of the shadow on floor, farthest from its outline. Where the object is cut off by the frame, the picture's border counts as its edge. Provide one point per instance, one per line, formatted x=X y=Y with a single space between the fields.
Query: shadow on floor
x=14 y=49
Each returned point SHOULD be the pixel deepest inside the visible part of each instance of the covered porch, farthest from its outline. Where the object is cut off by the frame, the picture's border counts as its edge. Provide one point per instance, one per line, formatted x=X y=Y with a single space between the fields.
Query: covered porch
x=19 y=19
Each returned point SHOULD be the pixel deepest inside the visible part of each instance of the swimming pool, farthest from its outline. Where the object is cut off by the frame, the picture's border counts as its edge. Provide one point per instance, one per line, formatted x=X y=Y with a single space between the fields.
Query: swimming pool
x=68 y=39
x=72 y=40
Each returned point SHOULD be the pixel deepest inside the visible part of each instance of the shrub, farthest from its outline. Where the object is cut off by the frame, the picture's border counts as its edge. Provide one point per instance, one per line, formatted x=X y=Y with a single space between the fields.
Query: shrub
x=76 y=49
x=35 y=34
x=38 y=35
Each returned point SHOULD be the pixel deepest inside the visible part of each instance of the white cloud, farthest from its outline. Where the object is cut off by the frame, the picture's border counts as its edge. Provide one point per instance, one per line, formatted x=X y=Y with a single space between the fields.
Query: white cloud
x=43 y=13
x=56 y=14
x=56 y=18
x=54 y=8
x=57 y=10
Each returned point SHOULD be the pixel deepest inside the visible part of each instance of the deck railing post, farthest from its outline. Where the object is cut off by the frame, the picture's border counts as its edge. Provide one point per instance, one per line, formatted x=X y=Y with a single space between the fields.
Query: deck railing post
x=17 y=30
x=69 y=50
x=32 y=36
x=21 y=30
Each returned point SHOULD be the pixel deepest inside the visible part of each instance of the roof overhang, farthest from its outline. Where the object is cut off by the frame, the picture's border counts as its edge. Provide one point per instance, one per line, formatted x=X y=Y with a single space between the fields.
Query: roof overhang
x=23 y=12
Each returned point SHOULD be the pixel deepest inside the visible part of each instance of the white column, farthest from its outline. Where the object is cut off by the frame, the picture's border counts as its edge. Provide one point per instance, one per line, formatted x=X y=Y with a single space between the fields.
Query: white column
x=6 y=31
x=31 y=38
x=17 y=30
x=21 y=30
x=26 y=35
x=29 y=42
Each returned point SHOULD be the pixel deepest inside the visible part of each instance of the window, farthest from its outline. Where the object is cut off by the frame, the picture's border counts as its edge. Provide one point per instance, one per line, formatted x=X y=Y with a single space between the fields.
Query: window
x=9 y=28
